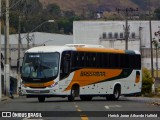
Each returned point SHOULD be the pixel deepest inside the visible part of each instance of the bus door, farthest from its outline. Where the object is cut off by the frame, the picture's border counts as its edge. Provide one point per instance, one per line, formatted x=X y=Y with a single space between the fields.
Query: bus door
x=64 y=70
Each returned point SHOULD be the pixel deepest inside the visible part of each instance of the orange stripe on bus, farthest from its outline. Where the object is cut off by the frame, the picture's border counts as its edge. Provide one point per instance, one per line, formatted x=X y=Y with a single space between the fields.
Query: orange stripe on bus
x=99 y=50
x=86 y=76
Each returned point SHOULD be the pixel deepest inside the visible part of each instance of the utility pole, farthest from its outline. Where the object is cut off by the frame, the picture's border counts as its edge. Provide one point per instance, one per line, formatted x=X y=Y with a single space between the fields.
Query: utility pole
x=126 y=30
x=157 y=46
x=157 y=61
x=140 y=38
x=150 y=29
x=7 y=61
x=19 y=42
x=126 y=11
x=19 y=51
x=28 y=40
x=0 y=55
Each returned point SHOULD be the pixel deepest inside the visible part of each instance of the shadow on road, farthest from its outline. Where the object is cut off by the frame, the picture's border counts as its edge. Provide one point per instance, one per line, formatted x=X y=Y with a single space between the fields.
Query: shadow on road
x=59 y=100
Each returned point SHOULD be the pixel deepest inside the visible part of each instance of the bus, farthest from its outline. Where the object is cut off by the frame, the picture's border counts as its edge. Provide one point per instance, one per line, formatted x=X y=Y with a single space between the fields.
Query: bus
x=79 y=70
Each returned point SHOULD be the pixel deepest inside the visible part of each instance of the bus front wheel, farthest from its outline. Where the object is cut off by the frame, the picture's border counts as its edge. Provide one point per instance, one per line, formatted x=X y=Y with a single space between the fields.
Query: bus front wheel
x=74 y=93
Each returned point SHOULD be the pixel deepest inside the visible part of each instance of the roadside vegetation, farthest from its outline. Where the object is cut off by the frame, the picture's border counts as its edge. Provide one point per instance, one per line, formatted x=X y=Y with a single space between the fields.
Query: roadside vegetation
x=147 y=83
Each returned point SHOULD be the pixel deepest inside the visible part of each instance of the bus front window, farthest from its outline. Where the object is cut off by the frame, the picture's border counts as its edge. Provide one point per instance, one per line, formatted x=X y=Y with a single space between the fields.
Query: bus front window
x=40 y=65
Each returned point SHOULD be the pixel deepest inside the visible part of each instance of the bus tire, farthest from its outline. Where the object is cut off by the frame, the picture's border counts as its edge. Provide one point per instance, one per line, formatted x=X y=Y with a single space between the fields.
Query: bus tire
x=86 y=98
x=41 y=99
x=116 y=93
x=74 y=93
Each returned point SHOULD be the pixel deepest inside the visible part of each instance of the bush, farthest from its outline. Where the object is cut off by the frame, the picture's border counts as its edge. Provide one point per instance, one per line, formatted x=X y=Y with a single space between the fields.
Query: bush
x=147 y=82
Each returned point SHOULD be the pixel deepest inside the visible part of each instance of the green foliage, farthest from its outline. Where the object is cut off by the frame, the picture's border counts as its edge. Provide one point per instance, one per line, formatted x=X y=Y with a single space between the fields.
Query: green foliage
x=147 y=81
x=33 y=14
x=54 y=10
x=157 y=13
x=25 y=7
x=66 y=24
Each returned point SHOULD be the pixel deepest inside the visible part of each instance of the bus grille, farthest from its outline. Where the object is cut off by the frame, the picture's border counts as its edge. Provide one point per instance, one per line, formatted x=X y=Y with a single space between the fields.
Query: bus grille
x=37 y=91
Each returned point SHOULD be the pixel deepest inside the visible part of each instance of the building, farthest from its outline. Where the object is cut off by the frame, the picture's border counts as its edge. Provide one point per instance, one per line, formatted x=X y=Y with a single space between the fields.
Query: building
x=111 y=34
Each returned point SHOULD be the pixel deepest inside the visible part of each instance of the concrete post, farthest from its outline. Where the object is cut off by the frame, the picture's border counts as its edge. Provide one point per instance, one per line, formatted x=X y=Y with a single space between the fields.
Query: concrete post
x=0 y=56
x=7 y=64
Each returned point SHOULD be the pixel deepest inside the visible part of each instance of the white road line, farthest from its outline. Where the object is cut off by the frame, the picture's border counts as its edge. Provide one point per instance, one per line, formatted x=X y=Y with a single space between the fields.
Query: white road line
x=76 y=106
x=108 y=107
x=117 y=105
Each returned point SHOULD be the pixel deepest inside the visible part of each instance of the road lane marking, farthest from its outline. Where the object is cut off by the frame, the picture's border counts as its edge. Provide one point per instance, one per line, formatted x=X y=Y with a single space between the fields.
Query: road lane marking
x=76 y=106
x=117 y=105
x=107 y=107
x=112 y=106
x=79 y=110
x=83 y=116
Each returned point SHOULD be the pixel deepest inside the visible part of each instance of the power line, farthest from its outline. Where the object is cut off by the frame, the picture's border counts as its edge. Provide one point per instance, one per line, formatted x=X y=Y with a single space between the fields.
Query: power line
x=126 y=28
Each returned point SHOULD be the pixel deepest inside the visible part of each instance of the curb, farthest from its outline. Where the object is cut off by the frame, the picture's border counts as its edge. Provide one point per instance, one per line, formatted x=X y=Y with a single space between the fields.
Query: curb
x=155 y=101
x=4 y=98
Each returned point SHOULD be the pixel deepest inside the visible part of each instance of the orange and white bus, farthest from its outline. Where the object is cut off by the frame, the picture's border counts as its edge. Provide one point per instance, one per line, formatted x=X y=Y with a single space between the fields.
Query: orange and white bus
x=80 y=70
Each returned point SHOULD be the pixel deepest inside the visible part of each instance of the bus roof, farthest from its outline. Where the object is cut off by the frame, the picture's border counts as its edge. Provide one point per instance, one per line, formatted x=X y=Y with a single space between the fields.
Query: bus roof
x=48 y=49
x=84 y=45
x=41 y=49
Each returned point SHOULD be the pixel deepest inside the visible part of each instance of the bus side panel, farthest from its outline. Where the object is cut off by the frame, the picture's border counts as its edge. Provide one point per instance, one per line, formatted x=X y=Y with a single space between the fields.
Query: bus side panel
x=64 y=83
x=131 y=85
x=128 y=84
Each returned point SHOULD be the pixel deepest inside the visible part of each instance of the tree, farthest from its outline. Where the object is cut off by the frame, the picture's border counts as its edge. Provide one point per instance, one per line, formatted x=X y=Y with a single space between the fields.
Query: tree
x=66 y=24
x=26 y=7
x=147 y=81
x=32 y=14
x=69 y=14
x=157 y=13
x=53 y=10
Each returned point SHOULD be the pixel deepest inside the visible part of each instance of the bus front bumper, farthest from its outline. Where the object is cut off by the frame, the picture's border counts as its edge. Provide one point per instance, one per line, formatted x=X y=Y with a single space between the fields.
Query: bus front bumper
x=38 y=91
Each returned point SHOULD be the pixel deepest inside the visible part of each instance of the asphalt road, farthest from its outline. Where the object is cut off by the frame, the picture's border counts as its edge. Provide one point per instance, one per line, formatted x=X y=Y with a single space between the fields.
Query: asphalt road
x=61 y=109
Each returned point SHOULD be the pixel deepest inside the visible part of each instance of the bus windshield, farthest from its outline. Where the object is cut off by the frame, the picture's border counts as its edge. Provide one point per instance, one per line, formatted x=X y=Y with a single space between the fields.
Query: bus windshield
x=40 y=65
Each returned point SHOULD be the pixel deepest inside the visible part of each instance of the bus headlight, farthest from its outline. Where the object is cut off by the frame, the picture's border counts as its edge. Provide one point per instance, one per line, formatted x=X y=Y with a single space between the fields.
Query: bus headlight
x=54 y=84
x=23 y=85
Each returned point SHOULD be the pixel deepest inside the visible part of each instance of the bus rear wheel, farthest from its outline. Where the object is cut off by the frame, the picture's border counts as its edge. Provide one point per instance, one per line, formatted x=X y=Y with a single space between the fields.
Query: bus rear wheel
x=41 y=99
x=116 y=94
